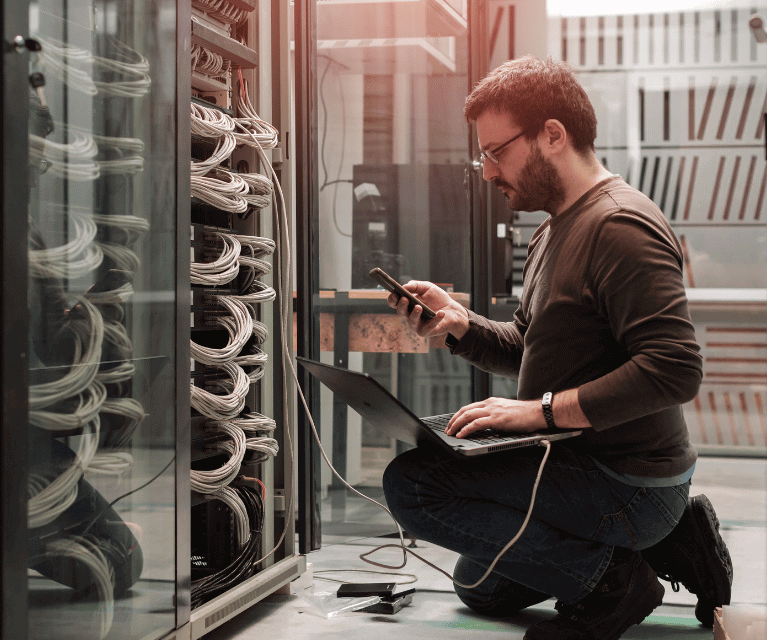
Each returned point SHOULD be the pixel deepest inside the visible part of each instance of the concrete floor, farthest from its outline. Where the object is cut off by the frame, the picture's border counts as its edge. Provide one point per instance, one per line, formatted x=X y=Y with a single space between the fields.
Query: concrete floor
x=737 y=488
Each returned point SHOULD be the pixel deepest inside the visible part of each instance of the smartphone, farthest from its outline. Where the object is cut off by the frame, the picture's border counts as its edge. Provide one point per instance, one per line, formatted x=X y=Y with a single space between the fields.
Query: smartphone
x=354 y=589
x=390 y=284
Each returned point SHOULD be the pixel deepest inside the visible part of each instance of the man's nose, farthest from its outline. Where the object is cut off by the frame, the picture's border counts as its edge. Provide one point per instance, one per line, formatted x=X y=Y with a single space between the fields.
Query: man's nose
x=489 y=169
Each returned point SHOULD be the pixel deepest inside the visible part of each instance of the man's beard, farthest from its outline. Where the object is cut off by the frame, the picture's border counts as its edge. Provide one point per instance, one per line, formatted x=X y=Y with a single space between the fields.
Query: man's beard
x=539 y=187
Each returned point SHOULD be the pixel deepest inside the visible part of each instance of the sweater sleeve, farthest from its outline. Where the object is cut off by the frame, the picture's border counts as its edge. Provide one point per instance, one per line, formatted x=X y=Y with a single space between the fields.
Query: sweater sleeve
x=495 y=347
x=636 y=284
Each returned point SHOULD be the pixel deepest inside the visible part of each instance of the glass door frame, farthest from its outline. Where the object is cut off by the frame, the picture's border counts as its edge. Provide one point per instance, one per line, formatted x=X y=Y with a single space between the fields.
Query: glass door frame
x=14 y=323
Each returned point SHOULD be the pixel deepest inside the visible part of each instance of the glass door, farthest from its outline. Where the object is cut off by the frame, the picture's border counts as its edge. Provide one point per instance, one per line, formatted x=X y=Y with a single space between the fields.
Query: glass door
x=392 y=149
x=102 y=336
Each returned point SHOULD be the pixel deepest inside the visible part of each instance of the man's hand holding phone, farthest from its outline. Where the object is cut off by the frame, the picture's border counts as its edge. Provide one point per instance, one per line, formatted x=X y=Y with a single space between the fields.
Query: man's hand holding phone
x=429 y=310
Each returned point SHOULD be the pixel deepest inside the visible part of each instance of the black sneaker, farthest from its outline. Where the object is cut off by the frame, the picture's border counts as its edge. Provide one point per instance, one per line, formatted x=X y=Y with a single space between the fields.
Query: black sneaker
x=627 y=593
x=695 y=555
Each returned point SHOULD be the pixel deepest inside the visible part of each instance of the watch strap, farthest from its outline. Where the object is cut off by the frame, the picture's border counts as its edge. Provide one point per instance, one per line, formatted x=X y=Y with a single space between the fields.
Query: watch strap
x=548 y=413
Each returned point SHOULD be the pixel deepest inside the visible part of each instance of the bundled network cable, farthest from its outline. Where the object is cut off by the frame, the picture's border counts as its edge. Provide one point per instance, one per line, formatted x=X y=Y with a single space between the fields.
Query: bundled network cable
x=222 y=10
x=217 y=186
x=209 y=63
x=125 y=73
x=248 y=509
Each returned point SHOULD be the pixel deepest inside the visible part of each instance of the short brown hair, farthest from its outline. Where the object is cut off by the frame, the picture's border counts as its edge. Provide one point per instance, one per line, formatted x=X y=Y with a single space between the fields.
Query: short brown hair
x=533 y=91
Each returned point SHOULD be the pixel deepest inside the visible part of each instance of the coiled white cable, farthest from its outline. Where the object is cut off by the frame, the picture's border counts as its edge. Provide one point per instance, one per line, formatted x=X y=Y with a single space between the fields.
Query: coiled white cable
x=133 y=226
x=261 y=267
x=137 y=81
x=222 y=270
x=89 y=404
x=73 y=161
x=224 y=147
x=258 y=293
x=67 y=63
x=89 y=335
x=131 y=410
x=110 y=463
x=208 y=62
x=210 y=123
x=222 y=9
x=84 y=551
x=239 y=327
x=49 y=498
x=73 y=260
x=123 y=258
x=260 y=246
x=223 y=407
x=224 y=191
x=251 y=423
x=213 y=480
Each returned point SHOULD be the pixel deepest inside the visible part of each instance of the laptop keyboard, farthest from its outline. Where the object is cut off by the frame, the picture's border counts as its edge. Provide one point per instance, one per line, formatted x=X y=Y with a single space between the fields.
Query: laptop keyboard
x=439 y=424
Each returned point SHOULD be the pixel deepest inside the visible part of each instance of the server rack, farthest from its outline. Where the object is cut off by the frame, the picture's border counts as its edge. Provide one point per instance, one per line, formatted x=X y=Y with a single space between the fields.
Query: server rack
x=99 y=434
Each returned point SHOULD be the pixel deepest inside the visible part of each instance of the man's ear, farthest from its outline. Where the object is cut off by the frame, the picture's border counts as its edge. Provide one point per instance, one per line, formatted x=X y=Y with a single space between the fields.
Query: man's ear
x=554 y=136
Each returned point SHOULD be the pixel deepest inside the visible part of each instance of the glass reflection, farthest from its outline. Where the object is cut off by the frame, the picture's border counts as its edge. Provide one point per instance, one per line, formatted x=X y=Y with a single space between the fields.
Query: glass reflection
x=102 y=416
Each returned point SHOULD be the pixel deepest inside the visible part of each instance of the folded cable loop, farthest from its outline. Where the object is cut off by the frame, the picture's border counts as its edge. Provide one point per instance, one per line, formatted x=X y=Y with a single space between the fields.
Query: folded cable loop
x=49 y=497
x=64 y=417
x=212 y=480
x=239 y=327
x=222 y=270
x=76 y=258
x=227 y=405
x=89 y=336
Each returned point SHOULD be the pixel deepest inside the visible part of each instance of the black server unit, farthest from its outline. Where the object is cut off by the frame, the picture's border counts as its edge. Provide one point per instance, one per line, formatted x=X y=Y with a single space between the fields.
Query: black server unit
x=411 y=221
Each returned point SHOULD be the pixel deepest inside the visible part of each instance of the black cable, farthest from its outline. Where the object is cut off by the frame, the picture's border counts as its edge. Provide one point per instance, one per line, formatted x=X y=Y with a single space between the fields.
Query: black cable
x=125 y=495
x=244 y=566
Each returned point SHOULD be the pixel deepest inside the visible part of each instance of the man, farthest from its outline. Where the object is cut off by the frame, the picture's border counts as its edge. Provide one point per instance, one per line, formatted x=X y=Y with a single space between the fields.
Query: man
x=603 y=325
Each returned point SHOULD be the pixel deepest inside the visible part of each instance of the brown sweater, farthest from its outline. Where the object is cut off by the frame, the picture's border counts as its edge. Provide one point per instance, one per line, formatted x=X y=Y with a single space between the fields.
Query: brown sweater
x=604 y=310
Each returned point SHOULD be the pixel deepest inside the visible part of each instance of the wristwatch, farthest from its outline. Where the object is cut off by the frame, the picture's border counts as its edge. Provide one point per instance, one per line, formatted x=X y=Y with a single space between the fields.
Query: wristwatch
x=548 y=414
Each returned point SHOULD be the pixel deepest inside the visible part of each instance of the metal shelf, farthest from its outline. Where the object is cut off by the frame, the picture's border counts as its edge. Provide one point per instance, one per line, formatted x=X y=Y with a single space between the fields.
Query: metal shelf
x=230 y=49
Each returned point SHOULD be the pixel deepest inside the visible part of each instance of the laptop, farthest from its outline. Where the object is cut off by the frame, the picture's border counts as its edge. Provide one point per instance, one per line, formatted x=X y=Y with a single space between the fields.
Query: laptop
x=373 y=402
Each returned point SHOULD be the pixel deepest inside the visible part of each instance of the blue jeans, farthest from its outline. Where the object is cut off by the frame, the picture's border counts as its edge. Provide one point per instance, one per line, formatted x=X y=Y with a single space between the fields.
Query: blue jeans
x=475 y=506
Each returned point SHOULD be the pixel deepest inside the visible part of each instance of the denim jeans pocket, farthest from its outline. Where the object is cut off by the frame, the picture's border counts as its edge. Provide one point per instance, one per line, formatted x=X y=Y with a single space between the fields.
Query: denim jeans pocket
x=646 y=519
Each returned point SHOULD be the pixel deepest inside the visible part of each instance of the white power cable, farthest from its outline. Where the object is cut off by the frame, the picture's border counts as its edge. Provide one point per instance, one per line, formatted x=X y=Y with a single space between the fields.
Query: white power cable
x=222 y=270
x=89 y=335
x=239 y=327
x=110 y=463
x=213 y=480
x=225 y=192
x=73 y=161
x=88 y=407
x=223 y=407
x=224 y=147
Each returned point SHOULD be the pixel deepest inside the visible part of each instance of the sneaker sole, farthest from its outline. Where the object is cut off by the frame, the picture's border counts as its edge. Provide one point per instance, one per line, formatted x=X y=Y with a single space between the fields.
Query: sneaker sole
x=717 y=557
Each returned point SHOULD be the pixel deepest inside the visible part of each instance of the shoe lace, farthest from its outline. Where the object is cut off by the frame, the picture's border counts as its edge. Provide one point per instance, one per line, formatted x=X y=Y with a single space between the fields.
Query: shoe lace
x=668 y=578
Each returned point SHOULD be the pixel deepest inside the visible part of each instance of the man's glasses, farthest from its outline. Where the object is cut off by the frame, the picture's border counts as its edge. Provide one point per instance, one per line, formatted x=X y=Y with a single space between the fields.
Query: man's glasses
x=490 y=154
